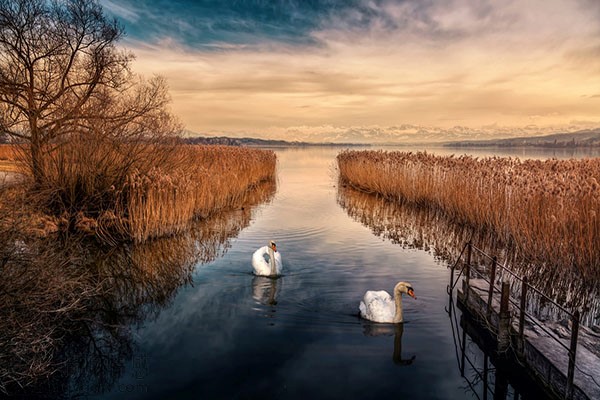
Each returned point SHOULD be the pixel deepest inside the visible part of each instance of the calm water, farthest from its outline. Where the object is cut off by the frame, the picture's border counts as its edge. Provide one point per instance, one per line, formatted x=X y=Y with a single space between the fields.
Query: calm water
x=225 y=333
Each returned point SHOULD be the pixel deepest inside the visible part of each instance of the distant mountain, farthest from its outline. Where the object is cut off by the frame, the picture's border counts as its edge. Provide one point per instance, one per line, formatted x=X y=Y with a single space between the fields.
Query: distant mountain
x=403 y=134
x=583 y=138
x=229 y=141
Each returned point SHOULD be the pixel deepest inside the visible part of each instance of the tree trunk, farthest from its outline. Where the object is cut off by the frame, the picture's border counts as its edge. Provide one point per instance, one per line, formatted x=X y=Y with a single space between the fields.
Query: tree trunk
x=36 y=158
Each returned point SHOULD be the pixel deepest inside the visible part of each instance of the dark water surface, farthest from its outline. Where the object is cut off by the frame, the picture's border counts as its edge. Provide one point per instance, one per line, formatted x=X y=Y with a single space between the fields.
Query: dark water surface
x=228 y=334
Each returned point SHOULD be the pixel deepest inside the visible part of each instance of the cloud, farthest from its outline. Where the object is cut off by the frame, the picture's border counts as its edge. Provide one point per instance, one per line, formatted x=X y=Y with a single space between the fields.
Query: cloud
x=120 y=11
x=251 y=65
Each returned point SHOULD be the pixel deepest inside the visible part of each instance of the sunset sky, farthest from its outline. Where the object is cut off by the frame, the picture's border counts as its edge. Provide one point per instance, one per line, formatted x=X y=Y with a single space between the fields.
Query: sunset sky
x=343 y=69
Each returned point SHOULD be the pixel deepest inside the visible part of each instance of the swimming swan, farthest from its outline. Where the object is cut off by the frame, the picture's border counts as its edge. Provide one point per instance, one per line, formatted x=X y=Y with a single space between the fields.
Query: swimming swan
x=260 y=265
x=378 y=306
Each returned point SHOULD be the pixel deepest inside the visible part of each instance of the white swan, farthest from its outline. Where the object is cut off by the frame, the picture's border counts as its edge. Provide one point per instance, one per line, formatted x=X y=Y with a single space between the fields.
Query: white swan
x=264 y=268
x=378 y=306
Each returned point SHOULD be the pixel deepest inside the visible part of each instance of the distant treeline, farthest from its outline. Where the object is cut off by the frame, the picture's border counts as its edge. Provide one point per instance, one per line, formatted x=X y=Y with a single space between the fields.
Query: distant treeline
x=228 y=141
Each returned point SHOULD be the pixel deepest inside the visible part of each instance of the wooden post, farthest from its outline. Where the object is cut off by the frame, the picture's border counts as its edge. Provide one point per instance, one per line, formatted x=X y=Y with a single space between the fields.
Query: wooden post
x=463 y=351
x=485 y=376
x=491 y=291
x=468 y=271
x=500 y=386
x=450 y=288
x=451 y=279
x=572 y=354
x=504 y=323
x=522 y=310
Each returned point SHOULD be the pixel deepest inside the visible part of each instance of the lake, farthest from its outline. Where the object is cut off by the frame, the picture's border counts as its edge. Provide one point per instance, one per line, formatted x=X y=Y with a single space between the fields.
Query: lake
x=220 y=332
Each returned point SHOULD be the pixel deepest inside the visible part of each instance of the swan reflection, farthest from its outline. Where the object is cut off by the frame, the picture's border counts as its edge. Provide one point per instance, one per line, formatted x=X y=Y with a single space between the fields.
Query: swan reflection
x=265 y=290
x=396 y=330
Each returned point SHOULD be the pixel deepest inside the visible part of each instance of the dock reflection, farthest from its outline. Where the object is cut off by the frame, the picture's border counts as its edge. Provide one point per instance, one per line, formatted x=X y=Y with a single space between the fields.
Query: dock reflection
x=488 y=374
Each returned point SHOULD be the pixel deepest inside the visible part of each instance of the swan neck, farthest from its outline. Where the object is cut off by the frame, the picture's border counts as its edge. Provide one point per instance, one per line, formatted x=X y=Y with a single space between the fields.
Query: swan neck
x=399 y=315
x=272 y=262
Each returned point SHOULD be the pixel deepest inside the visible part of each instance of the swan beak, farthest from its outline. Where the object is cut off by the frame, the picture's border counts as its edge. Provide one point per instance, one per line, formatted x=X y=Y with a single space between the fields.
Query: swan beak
x=411 y=293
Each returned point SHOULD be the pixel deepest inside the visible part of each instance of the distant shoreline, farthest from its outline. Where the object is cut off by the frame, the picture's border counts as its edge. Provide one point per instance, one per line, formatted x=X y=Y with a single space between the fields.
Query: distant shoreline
x=522 y=145
x=254 y=142
x=584 y=139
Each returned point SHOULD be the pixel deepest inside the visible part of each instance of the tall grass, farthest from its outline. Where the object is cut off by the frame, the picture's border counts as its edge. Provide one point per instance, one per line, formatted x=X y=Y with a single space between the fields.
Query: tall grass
x=545 y=210
x=412 y=226
x=8 y=152
x=138 y=190
x=214 y=178
x=9 y=156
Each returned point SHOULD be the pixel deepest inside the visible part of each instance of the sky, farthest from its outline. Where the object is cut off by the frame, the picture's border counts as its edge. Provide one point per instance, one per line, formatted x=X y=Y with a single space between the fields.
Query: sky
x=371 y=70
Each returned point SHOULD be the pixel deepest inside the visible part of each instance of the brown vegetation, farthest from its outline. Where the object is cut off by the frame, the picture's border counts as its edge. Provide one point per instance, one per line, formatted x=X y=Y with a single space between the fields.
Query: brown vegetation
x=545 y=210
x=212 y=178
x=67 y=305
x=140 y=190
x=415 y=227
x=9 y=155
x=8 y=152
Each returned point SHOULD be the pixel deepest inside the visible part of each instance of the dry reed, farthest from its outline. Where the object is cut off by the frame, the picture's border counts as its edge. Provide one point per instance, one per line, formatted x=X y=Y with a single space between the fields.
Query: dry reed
x=67 y=306
x=8 y=152
x=215 y=177
x=9 y=158
x=138 y=190
x=545 y=210
x=411 y=226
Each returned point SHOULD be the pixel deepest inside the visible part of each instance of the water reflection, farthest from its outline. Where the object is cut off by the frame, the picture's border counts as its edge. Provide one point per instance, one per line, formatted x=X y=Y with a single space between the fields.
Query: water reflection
x=114 y=290
x=487 y=374
x=409 y=226
x=425 y=229
x=265 y=290
x=396 y=330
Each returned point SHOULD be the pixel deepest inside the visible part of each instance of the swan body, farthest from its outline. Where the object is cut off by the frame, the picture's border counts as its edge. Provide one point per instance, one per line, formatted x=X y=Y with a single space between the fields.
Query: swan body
x=271 y=268
x=379 y=306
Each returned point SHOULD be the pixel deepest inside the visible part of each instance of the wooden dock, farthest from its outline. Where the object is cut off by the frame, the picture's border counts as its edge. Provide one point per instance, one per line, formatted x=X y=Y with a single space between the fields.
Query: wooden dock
x=564 y=358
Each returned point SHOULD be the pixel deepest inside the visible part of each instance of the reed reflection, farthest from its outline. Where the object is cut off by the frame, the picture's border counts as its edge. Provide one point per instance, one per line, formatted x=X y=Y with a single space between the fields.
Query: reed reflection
x=96 y=296
x=414 y=227
x=396 y=330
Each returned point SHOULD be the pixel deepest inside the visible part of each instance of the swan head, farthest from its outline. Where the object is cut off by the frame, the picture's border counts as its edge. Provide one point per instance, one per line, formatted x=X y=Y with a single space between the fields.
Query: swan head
x=405 y=287
x=273 y=245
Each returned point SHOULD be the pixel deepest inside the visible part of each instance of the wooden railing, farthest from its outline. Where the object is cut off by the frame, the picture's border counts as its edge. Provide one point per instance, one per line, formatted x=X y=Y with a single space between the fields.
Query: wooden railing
x=503 y=329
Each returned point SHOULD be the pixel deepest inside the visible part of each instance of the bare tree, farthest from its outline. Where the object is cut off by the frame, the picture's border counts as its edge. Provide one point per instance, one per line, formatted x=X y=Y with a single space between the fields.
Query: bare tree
x=61 y=74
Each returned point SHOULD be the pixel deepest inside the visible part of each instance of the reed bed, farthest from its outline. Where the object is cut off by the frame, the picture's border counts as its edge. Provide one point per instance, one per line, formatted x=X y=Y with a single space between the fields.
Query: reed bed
x=415 y=227
x=8 y=152
x=137 y=191
x=9 y=158
x=160 y=203
x=545 y=210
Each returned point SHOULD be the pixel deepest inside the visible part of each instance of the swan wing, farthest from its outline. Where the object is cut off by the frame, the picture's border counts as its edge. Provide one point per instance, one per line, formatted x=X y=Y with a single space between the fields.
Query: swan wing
x=278 y=263
x=377 y=306
x=260 y=265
